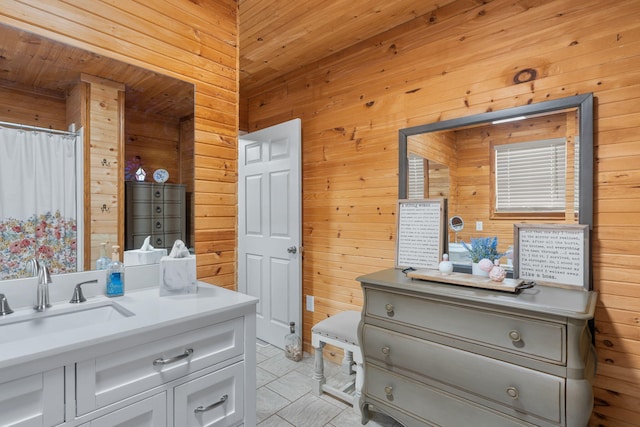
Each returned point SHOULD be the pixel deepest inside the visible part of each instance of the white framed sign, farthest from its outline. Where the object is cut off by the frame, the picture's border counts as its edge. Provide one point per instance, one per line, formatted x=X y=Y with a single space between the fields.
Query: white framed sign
x=420 y=231
x=552 y=253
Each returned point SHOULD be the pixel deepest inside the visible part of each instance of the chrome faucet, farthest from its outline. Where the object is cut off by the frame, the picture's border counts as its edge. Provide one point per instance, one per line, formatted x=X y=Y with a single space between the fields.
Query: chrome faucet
x=4 y=306
x=44 y=278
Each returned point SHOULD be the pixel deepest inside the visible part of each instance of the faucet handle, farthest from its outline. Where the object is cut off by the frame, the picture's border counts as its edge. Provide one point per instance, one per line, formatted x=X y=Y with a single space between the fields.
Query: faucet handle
x=4 y=306
x=78 y=296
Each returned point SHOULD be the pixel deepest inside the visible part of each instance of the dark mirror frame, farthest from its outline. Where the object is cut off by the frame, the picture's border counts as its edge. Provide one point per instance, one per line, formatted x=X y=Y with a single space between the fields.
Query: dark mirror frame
x=583 y=103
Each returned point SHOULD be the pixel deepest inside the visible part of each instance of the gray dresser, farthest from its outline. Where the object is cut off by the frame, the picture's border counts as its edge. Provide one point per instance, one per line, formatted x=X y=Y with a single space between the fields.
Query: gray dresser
x=156 y=210
x=446 y=355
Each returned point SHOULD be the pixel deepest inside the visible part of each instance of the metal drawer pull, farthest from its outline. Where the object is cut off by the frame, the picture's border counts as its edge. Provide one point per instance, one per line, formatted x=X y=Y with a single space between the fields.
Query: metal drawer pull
x=388 y=390
x=515 y=336
x=213 y=405
x=513 y=392
x=160 y=361
x=389 y=308
x=386 y=350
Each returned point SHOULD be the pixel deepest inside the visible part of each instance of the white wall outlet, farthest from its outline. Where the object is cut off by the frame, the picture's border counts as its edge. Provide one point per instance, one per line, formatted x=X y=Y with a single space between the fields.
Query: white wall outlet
x=478 y=225
x=310 y=303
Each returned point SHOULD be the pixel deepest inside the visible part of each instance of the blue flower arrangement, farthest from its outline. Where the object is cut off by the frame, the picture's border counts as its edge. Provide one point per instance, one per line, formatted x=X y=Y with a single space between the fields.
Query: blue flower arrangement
x=483 y=247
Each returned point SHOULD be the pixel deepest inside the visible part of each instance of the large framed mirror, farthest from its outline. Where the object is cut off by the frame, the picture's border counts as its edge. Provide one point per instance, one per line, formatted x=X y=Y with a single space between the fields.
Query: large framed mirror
x=528 y=164
x=130 y=116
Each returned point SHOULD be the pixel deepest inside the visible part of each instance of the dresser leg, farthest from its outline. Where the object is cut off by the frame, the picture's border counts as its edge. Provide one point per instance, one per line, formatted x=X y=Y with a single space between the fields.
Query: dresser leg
x=318 y=370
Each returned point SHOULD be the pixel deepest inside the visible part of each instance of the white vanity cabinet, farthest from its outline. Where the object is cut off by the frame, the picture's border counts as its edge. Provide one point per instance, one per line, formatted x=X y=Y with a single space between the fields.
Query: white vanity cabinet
x=439 y=354
x=180 y=361
x=35 y=400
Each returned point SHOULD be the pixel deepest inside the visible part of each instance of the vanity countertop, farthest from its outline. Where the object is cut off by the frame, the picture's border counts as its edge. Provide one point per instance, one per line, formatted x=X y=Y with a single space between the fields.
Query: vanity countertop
x=153 y=318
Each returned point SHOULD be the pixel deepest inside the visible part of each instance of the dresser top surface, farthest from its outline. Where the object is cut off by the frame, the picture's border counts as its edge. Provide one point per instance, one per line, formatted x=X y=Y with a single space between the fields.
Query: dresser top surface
x=572 y=303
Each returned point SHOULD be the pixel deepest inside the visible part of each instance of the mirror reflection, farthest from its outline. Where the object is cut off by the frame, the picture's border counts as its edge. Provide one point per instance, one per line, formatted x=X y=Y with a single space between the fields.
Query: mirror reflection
x=128 y=115
x=529 y=164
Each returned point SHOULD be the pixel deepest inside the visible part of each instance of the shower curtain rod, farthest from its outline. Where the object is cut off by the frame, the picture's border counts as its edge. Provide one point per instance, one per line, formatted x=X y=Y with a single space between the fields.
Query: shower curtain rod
x=36 y=128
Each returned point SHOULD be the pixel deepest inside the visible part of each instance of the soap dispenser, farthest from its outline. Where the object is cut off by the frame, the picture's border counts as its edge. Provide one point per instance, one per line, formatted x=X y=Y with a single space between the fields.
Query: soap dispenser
x=103 y=262
x=115 y=274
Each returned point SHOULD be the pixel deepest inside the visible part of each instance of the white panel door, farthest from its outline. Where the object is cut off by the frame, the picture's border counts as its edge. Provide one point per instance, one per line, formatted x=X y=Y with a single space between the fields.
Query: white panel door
x=269 y=227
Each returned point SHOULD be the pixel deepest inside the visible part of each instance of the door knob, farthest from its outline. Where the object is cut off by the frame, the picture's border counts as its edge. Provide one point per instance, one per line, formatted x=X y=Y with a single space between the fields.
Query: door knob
x=292 y=249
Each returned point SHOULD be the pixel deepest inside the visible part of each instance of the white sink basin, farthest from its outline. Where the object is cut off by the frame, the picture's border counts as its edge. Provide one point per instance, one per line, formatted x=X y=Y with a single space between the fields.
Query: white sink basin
x=31 y=324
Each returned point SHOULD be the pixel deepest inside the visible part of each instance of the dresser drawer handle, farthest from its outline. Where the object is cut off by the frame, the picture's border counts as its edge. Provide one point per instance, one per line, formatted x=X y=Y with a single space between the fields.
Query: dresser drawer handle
x=388 y=390
x=389 y=308
x=513 y=392
x=213 y=405
x=515 y=336
x=386 y=351
x=160 y=361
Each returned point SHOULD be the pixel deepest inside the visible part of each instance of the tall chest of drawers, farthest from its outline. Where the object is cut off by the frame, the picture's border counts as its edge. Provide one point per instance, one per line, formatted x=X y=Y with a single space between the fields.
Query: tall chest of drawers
x=156 y=210
x=446 y=355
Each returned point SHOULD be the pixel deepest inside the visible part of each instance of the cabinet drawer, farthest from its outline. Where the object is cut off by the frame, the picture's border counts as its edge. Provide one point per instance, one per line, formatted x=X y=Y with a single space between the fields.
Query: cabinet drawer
x=150 y=412
x=517 y=388
x=36 y=400
x=114 y=376
x=430 y=404
x=173 y=193
x=216 y=399
x=531 y=338
x=139 y=190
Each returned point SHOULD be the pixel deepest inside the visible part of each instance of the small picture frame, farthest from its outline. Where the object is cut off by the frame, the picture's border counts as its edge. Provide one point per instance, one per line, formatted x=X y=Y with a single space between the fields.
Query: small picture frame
x=556 y=254
x=420 y=233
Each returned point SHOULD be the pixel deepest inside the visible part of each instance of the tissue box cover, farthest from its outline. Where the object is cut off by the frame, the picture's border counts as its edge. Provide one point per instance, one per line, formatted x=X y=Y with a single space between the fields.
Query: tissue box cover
x=178 y=275
x=140 y=257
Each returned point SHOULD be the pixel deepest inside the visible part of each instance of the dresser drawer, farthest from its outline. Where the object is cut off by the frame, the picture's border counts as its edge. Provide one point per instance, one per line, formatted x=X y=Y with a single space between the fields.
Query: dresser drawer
x=430 y=404
x=527 y=337
x=115 y=376
x=516 y=388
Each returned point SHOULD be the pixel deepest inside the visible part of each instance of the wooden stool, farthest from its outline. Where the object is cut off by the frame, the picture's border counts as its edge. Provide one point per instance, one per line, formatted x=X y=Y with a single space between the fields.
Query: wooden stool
x=340 y=331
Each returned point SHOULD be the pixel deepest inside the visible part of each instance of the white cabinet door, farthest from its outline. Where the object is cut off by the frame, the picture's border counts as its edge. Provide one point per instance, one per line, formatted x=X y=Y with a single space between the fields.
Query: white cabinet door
x=216 y=399
x=36 y=400
x=150 y=412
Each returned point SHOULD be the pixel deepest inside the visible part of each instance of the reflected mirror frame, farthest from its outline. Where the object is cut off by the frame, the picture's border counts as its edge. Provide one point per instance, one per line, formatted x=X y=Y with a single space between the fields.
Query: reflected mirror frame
x=583 y=103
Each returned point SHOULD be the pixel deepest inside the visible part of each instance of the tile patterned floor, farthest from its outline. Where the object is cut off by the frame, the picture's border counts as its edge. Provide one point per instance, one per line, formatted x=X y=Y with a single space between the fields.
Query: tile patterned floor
x=284 y=397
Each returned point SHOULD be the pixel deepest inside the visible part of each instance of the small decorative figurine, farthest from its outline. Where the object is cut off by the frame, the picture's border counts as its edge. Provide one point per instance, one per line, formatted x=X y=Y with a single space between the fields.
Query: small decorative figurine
x=445 y=267
x=497 y=273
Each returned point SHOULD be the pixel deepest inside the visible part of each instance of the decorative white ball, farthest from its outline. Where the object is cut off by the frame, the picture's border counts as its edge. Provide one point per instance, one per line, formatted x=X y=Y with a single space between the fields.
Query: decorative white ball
x=445 y=267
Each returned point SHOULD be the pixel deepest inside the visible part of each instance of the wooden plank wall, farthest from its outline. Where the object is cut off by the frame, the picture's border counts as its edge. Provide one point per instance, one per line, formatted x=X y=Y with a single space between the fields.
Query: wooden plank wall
x=192 y=41
x=457 y=61
x=16 y=106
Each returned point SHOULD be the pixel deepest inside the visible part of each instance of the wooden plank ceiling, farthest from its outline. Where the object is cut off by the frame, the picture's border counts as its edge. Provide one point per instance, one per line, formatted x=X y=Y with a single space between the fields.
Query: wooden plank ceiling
x=279 y=36
x=36 y=64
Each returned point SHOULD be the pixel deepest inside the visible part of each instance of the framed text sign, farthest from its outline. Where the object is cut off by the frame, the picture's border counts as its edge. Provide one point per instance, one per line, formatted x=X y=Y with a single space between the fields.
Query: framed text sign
x=552 y=253
x=420 y=233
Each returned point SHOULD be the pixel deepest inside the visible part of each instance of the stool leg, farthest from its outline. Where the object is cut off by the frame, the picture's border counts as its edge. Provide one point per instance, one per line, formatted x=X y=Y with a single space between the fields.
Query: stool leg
x=318 y=370
x=347 y=362
x=358 y=391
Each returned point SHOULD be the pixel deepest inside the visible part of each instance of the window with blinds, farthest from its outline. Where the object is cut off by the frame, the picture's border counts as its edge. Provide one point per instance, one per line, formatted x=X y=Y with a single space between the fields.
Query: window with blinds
x=415 y=176
x=530 y=176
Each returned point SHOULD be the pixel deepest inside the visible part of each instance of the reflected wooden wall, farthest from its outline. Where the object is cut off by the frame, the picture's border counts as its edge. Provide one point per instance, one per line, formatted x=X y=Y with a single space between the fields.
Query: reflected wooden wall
x=192 y=41
x=462 y=61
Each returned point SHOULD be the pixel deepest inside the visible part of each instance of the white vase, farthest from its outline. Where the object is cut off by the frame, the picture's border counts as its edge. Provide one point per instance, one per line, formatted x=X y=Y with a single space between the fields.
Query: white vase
x=476 y=271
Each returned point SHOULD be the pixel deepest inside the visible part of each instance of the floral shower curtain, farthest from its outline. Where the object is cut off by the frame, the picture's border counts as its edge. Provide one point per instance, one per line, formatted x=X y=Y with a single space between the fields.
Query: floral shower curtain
x=37 y=201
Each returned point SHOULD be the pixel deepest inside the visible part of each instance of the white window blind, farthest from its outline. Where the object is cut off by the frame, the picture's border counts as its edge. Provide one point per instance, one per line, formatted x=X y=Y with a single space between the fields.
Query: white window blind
x=415 y=176
x=531 y=176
